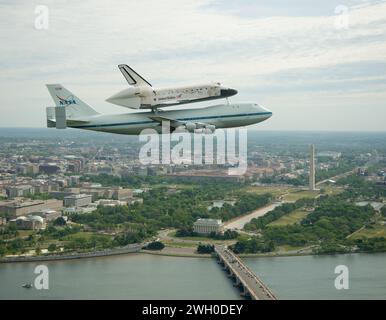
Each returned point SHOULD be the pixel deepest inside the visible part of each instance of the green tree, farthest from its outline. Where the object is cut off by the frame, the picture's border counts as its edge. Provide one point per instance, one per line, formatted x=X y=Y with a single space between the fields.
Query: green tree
x=52 y=247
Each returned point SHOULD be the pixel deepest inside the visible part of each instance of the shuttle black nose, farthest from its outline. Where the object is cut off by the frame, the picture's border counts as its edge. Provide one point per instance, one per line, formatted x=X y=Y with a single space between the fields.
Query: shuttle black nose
x=228 y=92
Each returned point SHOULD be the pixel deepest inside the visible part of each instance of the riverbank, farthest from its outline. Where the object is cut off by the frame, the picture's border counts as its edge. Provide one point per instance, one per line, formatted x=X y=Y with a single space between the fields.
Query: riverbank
x=78 y=255
x=185 y=252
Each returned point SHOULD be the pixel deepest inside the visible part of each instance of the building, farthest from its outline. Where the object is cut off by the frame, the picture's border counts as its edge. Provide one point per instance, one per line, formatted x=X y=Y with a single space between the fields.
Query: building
x=13 y=209
x=122 y=194
x=220 y=203
x=62 y=194
x=117 y=193
x=49 y=215
x=19 y=191
x=207 y=226
x=110 y=203
x=29 y=223
x=312 y=168
x=49 y=168
x=79 y=210
x=77 y=200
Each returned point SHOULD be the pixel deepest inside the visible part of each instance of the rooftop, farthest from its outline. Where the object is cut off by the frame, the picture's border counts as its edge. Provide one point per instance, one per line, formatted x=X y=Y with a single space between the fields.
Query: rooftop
x=205 y=221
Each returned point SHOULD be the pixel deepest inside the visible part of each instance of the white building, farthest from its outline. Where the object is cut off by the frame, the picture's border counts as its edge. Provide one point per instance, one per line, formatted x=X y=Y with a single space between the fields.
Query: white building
x=206 y=226
x=77 y=200
x=110 y=203
x=29 y=223
x=79 y=210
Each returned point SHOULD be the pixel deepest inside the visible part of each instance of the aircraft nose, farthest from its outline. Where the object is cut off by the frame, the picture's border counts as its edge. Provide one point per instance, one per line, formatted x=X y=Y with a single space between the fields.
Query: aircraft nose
x=228 y=92
x=268 y=113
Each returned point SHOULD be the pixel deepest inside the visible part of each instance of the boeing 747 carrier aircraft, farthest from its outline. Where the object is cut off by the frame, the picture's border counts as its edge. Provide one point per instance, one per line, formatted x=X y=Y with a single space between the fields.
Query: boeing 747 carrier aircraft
x=70 y=111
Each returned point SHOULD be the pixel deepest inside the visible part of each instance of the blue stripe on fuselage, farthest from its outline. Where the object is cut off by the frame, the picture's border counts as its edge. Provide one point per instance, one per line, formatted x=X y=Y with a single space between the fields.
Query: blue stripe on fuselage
x=179 y=119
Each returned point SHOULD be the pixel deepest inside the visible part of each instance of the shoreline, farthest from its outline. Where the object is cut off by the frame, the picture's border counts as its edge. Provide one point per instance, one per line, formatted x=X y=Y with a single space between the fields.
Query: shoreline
x=79 y=255
x=98 y=254
x=138 y=250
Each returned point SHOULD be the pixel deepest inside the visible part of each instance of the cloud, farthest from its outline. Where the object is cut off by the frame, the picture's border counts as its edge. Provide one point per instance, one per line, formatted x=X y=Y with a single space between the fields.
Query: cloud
x=261 y=49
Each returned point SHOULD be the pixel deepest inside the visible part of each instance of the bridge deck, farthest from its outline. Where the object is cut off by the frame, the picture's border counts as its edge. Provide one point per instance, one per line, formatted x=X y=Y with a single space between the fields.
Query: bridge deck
x=255 y=287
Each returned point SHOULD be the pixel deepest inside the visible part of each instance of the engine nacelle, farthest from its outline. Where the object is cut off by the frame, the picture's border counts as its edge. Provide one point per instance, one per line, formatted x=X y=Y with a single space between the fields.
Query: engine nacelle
x=197 y=127
x=210 y=127
x=190 y=126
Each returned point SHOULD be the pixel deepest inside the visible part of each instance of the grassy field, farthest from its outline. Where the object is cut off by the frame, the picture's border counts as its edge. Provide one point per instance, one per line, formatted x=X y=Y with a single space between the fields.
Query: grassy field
x=291 y=193
x=84 y=235
x=25 y=233
x=286 y=248
x=297 y=194
x=292 y=218
x=332 y=190
x=275 y=190
x=176 y=244
x=370 y=232
x=198 y=238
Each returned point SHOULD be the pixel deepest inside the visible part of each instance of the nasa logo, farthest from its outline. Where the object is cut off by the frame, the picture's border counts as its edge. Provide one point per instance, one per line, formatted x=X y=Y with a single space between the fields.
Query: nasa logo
x=68 y=101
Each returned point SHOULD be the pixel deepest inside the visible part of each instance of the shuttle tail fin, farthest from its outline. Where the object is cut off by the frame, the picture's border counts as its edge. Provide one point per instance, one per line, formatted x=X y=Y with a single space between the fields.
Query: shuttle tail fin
x=133 y=78
x=74 y=107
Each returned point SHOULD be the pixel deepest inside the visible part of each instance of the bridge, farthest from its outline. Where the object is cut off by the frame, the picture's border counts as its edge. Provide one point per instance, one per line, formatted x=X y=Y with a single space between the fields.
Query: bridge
x=251 y=286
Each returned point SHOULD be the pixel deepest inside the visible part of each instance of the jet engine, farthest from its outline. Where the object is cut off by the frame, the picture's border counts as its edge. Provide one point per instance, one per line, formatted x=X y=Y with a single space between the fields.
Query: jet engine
x=210 y=128
x=197 y=127
x=190 y=126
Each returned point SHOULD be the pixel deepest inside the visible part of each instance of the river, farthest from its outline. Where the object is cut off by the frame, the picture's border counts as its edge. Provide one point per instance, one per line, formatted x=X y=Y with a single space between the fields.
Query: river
x=142 y=276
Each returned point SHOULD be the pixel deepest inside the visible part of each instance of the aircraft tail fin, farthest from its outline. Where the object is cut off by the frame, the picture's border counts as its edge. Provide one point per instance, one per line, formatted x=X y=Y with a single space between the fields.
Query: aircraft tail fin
x=133 y=78
x=74 y=107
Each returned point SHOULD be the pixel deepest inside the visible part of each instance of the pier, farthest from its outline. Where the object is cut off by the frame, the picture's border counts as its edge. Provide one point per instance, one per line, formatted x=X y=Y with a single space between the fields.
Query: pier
x=251 y=286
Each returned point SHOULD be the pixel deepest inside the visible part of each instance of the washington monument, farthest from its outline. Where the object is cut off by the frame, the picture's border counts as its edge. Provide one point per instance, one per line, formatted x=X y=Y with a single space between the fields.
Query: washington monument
x=312 y=168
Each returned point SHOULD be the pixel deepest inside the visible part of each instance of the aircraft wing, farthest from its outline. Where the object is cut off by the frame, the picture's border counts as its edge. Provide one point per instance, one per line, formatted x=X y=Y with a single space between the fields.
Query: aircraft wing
x=189 y=126
x=173 y=123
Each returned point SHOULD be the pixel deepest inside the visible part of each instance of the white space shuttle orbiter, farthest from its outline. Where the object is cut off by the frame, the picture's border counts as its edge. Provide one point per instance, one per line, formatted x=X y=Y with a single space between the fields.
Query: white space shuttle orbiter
x=141 y=94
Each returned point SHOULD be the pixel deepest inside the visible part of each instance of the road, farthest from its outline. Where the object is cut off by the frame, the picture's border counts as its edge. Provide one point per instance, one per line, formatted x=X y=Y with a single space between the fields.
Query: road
x=239 y=222
x=342 y=175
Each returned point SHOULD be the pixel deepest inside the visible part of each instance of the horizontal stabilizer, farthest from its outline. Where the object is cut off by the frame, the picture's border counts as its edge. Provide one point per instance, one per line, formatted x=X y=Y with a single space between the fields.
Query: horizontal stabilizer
x=73 y=122
x=60 y=116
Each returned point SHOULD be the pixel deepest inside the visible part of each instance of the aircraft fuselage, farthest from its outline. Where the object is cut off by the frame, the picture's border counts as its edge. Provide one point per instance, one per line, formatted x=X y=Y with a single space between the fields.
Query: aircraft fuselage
x=220 y=116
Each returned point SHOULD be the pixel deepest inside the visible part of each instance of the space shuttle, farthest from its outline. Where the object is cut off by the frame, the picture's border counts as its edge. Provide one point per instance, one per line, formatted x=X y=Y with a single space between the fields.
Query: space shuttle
x=142 y=95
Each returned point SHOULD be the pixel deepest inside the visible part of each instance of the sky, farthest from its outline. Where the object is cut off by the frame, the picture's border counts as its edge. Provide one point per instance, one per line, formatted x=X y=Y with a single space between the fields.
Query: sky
x=317 y=65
